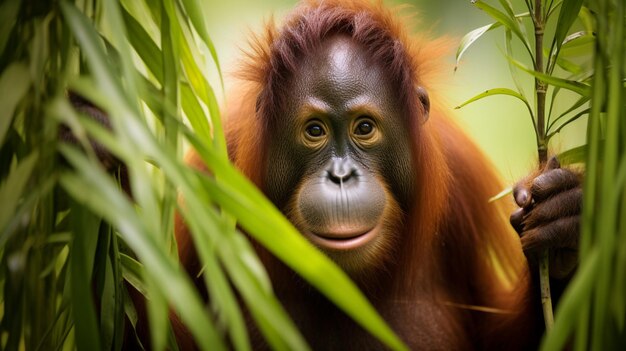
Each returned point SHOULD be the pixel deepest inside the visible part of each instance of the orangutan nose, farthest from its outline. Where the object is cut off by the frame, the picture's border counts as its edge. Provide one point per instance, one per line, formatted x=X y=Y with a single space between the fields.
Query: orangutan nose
x=341 y=170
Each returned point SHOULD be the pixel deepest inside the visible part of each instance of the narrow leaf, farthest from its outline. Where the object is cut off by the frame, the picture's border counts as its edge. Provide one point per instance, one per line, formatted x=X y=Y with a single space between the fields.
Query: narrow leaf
x=85 y=321
x=13 y=187
x=107 y=309
x=496 y=91
x=567 y=16
x=502 y=194
x=157 y=315
x=569 y=66
x=113 y=16
x=132 y=271
x=143 y=44
x=514 y=72
x=507 y=7
x=14 y=83
x=505 y=20
x=91 y=46
x=8 y=15
x=131 y=314
x=573 y=156
x=578 y=44
x=194 y=11
x=194 y=112
x=469 y=38
x=568 y=121
x=200 y=84
x=581 y=101
x=575 y=86
x=97 y=191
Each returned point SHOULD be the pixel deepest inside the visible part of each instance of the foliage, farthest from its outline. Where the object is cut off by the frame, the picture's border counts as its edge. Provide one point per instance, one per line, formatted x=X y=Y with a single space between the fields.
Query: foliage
x=72 y=242
x=585 y=56
x=568 y=54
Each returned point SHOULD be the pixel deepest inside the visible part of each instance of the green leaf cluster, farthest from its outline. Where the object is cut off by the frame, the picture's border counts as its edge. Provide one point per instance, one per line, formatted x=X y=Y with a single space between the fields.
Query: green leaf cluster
x=586 y=56
x=566 y=25
x=72 y=242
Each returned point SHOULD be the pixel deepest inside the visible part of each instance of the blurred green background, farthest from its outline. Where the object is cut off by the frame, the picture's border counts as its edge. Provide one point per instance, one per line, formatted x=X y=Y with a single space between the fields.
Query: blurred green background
x=500 y=124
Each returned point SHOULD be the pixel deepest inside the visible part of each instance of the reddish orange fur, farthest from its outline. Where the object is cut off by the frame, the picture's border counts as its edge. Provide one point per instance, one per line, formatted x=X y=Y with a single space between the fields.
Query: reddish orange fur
x=458 y=253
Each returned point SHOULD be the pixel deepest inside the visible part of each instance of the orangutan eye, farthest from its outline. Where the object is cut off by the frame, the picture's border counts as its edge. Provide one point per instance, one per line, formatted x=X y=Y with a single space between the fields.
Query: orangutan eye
x=364 y=128
x=315 y=130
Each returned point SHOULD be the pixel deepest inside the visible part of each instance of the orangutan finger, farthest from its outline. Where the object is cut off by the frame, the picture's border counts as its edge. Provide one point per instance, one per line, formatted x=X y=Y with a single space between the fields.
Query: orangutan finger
x=522 y=194
x=553 y=163
x=564 y=204
x=553 y=182
x=562 y=233
x=517 y=218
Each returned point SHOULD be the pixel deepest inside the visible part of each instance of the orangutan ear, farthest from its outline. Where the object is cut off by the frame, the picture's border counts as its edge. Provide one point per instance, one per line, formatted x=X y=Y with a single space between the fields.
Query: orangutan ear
x=423 y=96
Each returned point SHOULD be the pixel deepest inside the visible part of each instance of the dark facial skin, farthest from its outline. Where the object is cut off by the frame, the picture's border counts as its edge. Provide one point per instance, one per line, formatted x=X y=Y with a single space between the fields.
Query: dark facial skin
x=339 y=161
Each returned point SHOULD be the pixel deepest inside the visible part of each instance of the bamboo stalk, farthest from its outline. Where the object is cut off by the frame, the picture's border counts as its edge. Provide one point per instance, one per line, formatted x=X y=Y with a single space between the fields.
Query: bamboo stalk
x=542 y=151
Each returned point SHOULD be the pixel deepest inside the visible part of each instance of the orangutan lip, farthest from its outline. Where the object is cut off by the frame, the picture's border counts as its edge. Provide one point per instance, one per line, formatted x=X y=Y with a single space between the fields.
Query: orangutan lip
x=343 y=241
x=342 y=236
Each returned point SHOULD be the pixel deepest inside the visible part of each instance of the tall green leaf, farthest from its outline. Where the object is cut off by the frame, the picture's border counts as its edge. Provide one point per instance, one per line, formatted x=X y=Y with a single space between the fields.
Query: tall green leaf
x=507 y=21
x=14 y=83
x=81 y=263
x=567 y=16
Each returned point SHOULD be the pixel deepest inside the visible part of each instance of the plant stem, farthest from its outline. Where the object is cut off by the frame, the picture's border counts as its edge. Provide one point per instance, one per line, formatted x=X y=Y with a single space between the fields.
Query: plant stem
x=542 y=150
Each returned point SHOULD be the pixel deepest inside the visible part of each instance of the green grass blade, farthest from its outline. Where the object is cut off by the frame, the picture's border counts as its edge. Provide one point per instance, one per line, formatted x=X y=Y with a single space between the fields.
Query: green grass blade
x=573 y=156
x=502 y=91
x=203 y=222
x=91 y=47
x=578 y=44
x=507 y=21
x=131 y=314
x=199 y=214
x=502 y=194
x=85 y=235
x=619 y=277
x=194 y=112
x=508 y=47
x=225 y=300
x=14 y=83
x=157 y=315
x=496 y=91
x=469 y=38
x=119 y=289
x=133 y=273
x=8 y=14
x=193 y=9
x=94 y=189
x=567 y=16
x=605 y=229
x=27 y=204
x=107 y=308
x=13 y=187
x=113 y=16
x=575 y=37
x=170 y=46
x=268 y=307
x=506 y=4
x=569 y=66
x=568 y=121
x=575 y=86
x=199 y=82
x=143 y=44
